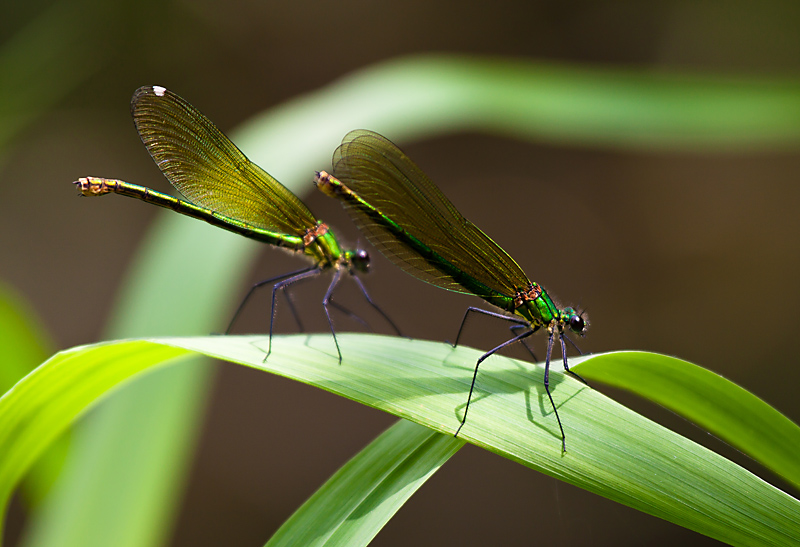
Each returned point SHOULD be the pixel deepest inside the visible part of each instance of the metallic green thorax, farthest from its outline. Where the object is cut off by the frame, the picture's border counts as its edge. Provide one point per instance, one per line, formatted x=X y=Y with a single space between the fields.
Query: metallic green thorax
x=538 y=310
x=530 y=302
x=323 y=247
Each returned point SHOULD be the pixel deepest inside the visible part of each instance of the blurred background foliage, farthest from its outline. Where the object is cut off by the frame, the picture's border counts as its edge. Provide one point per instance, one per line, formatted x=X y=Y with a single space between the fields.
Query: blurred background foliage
x=683 y=246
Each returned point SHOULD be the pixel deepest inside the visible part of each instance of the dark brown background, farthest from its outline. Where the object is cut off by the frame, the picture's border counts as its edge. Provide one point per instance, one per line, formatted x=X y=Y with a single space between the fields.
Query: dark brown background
x=689 y=254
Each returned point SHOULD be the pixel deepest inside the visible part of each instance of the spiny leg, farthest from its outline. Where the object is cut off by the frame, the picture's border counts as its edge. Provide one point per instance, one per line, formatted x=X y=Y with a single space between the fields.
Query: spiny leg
x=573 y=344
x=561 y=337
x=478 y=364
x=374 y=305
x=303 y=274
x=486 y=312
x=293 y=309
x=258 y=286
x=290 y=300
x=515 y=328
x=547 y=387
x=351 y=314
x=337 y=276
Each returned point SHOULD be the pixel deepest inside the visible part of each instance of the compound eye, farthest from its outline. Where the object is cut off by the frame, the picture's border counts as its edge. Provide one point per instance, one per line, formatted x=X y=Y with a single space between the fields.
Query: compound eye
x=577 y=324
x=360 y=260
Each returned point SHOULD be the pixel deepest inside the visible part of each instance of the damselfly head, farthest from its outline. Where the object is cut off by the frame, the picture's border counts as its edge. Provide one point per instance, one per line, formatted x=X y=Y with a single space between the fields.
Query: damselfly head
x=575 y=321
x=359 y=260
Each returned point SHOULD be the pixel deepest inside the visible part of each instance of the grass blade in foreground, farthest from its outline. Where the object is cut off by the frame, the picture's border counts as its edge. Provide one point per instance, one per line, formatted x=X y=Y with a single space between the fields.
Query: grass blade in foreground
x=361 y=497
x=715 y=404
x=44 y=403
x=614 y=452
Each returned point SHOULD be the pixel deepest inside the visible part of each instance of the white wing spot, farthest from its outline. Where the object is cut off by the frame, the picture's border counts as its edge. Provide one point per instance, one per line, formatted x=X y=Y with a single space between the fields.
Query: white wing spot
x=158 y=90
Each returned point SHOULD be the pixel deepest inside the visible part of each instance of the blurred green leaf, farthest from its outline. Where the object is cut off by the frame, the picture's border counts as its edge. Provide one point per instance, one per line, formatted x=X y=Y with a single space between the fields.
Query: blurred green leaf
x=36 y=410
x=24 y=345
x=136 y=448
x=611 y=450
x=360 y=498
x=635 y=109
x=49 y=57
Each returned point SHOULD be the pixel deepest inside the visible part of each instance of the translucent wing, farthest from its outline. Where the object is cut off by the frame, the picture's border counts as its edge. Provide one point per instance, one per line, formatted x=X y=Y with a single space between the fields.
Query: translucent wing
x=208 y=169
x=382 y=175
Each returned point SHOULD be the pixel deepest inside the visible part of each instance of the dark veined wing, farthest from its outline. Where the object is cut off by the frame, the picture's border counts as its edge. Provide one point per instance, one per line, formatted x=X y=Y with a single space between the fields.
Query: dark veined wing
x=382 y=175
x=208 y=169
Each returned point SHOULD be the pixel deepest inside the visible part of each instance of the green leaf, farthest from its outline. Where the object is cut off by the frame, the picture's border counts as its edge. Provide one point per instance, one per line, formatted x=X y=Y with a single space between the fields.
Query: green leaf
x=24 y=345
x=354 y=504
x=43 y=404
x=721 y=407
x=49 y=57
x=639 y=109
x=611 y=450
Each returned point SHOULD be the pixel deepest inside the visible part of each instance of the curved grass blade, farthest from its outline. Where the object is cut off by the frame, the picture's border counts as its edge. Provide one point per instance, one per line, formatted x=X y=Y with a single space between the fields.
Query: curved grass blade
x=637 y=109
x=613 y=451
x=707 y=399
x=361 y=497
x=43 y=404
x=23 y=346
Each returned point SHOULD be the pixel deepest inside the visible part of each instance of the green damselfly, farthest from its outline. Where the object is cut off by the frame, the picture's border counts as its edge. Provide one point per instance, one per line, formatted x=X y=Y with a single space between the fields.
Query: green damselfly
x=415 y=226
x=224 y=188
